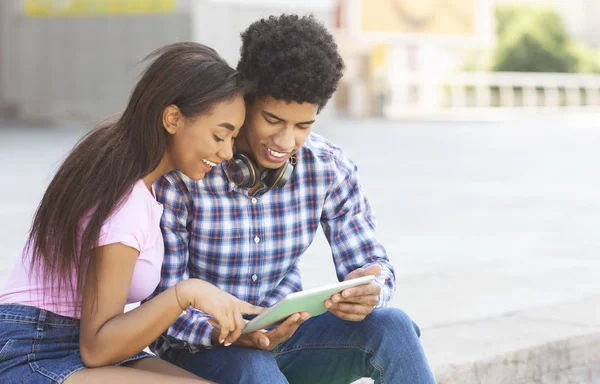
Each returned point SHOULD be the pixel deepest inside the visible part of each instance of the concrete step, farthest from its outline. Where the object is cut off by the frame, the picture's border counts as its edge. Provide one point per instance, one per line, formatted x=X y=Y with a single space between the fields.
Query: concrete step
x=556 y=344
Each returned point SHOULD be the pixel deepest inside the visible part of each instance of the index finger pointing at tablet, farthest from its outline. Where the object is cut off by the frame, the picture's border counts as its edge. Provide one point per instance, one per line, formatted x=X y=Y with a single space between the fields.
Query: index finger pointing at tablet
x=250 y=309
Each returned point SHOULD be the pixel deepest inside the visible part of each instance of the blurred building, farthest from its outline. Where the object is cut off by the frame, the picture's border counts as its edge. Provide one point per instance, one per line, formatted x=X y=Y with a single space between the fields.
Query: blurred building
x=78 y=59
x=387 y=44
x=404 y=60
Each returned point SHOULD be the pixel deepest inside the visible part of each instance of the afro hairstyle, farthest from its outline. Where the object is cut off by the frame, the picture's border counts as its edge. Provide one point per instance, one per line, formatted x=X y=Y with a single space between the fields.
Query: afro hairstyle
x=290 y=58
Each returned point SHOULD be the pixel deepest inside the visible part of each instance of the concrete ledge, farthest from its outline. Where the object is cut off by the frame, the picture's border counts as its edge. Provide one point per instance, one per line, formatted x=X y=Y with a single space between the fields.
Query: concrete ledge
x=574 y=360
x=556 y=344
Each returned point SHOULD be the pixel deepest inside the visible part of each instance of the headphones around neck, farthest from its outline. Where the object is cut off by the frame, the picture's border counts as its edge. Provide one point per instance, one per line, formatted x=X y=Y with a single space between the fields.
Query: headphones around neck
x=244 y=172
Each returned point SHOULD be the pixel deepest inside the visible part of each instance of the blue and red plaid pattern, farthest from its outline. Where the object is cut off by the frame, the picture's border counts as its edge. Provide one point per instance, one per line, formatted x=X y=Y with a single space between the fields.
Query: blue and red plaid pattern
x=249 y=245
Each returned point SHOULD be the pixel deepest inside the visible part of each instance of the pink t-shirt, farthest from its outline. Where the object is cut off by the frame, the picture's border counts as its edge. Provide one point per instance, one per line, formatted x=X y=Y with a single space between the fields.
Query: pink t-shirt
x=136 y=223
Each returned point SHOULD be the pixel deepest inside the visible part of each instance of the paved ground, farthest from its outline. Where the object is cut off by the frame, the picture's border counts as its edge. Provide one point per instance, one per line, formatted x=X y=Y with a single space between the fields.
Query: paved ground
x=492 y=228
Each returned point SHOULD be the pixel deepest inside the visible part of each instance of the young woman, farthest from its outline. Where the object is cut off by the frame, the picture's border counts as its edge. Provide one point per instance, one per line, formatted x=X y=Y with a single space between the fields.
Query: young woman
x=95 y=242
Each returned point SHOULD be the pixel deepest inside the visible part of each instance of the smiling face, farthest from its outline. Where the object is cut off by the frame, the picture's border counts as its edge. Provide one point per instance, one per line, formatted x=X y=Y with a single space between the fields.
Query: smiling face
x=274 y=130
x=199 y=143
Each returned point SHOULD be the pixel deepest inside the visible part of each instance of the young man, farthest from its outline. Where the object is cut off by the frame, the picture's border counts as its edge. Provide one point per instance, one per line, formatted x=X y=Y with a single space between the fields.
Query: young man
x=244 y=228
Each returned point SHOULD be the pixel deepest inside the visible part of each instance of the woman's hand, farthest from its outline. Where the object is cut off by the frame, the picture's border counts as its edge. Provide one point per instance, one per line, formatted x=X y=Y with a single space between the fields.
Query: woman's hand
x=225 y=308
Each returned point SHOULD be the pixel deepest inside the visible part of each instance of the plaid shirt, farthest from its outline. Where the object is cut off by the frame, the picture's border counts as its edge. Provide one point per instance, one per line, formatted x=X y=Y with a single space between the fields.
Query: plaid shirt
x=249 y=245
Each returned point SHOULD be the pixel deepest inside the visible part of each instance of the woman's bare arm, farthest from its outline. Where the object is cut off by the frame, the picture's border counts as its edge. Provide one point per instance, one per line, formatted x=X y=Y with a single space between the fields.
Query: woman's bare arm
x=108 y=335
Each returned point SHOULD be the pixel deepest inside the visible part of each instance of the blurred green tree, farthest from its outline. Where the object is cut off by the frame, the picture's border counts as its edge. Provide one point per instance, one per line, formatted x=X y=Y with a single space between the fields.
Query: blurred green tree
x=588 y=58
x=532 y=40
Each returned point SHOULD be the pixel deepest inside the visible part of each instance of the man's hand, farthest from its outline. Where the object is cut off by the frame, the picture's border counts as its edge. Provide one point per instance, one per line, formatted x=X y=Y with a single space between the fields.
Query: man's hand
x=356 y=303
x=267 y=341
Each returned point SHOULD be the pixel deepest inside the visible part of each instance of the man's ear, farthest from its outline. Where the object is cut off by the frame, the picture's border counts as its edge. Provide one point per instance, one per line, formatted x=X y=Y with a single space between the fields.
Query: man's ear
x=171 y=119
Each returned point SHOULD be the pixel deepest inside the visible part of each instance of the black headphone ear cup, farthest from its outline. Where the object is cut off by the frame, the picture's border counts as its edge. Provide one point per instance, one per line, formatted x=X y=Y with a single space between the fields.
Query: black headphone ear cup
x=280 y=176
x=242 y=171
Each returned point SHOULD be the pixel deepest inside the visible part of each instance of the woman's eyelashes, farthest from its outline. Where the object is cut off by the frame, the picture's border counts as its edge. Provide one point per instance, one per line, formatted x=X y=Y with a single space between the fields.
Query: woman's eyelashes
x=218 y=139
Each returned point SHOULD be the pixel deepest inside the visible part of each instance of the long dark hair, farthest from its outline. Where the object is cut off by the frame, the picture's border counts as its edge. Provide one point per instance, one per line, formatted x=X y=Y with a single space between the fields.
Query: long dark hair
x=103 y=167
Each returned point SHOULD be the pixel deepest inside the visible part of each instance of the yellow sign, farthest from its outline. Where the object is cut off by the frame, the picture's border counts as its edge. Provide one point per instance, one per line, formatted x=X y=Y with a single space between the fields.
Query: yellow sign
x=430 y=17
x=44 y=8
x=379 y=59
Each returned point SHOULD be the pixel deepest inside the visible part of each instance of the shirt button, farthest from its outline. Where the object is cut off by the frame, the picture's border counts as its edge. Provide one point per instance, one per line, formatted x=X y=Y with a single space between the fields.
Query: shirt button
x=256 y=239
x=254 y=200
x=254 y=277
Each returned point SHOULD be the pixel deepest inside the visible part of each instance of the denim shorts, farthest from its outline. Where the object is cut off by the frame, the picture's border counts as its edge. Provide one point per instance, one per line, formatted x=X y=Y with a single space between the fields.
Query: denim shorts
x=37 y=346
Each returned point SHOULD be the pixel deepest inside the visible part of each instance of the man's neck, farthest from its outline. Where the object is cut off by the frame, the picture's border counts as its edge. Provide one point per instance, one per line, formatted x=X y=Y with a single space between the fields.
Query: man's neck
x=241 y=145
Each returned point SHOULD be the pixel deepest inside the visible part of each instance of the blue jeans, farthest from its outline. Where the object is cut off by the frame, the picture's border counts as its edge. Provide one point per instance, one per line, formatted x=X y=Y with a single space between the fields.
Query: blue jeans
x=385 y=346
x=37 y=346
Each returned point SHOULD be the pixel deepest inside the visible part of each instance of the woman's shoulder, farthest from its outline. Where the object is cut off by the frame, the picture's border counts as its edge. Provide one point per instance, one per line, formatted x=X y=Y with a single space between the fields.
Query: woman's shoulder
x=135 y=208
x=136 y=214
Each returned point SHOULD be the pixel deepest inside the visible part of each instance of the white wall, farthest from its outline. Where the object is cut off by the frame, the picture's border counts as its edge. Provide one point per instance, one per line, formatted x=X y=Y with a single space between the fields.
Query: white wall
x=581 y=18
x=219 y=23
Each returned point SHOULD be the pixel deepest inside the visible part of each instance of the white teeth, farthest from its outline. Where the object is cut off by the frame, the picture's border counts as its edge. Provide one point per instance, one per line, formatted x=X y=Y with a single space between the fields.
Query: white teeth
x=277 y=154
x=209 y=163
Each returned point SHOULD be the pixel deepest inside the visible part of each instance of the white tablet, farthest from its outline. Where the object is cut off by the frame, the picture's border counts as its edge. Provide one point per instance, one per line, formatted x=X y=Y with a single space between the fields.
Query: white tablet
x=311 y=301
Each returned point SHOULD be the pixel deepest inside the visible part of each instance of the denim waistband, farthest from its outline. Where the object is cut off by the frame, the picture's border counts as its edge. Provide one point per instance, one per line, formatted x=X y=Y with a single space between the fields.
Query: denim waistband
x=41 y=317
